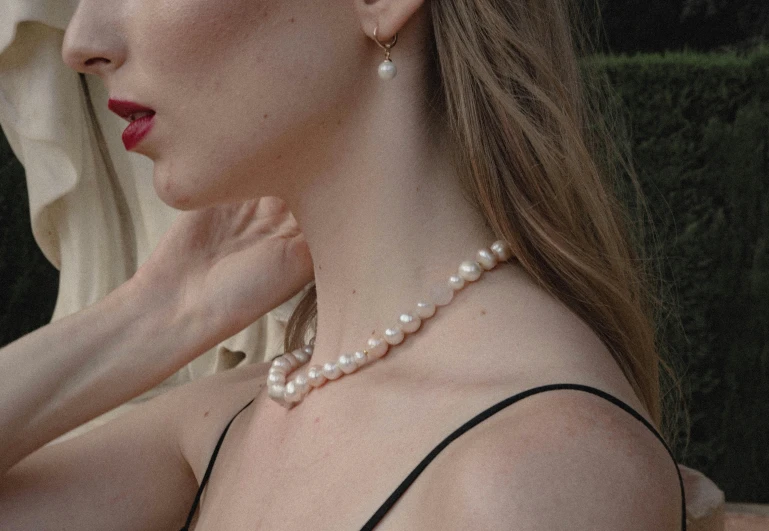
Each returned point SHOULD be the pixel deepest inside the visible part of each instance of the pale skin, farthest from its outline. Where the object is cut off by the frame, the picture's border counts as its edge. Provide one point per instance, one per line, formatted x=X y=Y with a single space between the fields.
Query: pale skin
x=259 y=100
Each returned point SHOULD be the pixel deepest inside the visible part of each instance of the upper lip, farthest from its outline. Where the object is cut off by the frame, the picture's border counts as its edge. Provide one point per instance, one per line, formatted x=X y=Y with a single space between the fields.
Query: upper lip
x=126 y=109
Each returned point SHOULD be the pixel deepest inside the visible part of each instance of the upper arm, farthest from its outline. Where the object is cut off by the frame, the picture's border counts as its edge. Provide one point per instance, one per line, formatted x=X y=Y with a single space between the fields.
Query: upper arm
x=127 y=474
x=566 y=461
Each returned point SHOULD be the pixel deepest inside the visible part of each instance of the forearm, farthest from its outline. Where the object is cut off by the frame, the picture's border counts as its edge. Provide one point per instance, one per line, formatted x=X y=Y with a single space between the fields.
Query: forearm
x=73 y=370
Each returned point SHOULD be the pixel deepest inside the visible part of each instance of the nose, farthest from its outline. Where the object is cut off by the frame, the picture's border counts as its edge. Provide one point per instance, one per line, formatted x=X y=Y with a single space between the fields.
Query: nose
x=93 y=42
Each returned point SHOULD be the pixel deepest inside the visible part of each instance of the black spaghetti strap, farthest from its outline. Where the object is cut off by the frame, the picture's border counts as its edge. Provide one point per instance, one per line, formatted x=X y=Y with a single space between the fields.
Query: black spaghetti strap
x=390 y=502
x=208 y=470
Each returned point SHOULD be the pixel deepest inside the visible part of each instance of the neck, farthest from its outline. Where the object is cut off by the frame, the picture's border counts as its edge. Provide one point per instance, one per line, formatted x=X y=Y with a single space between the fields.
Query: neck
x=381 y=234
x=381 y=206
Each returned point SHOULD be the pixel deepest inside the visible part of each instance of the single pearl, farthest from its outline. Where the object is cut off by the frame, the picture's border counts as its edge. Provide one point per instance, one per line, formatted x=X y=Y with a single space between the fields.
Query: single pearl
x=502 y=249
x=441 y=294
x=301 y=356
x=331 y=371
x=276 y=391
x=470 y=271
x=347 y=363
x=387 y=70
x=302 y=384
x=276 y=378
x=487 y=259
x=425 y=310
x=315 y=376
x=291 y=359
x=307 y=349
x=277 y=370
x=456 y=282
x=281 y=363
x=394 y=335
x=360 y=357
x=377 y=347
x=409 y=323
x=292 y=393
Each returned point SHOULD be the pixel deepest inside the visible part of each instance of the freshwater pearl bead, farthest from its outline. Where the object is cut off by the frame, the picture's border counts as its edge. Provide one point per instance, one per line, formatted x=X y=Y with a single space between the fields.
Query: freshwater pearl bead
x=377 y=347
x=387 y=70
x=315 y=376
x=291 y=394
x=470 y=271
x=442 y=294
x=276 y=378
x=301 y=356
x=360 y=357
x=331 y=371
x=394 y=335
x=281 y=363
x=425 y=310
x=487 y=259
x=291 y=359
x=456 y=282
x=276 y=391
x=502 y=249
x=302 y=384
x=307 y=349
x=409 y=323
x=347 y=363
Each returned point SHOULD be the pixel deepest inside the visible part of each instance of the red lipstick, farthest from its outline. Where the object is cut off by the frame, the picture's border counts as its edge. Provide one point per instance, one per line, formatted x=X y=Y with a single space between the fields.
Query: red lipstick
x=141 y=120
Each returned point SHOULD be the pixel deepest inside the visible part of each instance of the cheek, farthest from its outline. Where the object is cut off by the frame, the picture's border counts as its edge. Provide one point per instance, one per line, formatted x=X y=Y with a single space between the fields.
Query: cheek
x=185 y=51
x=237 y=84
x=176 y=36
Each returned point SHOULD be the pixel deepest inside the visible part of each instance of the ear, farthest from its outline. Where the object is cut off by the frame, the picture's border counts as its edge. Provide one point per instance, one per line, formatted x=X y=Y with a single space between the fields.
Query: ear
x=389 y=15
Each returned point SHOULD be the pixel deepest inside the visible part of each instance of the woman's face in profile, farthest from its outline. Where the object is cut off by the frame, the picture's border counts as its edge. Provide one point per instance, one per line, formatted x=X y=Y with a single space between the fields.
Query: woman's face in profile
x=240 y=88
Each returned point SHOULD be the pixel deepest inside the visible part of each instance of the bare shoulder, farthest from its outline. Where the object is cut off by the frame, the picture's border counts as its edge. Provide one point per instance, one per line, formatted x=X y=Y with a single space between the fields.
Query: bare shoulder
x=134 y=471
x=203 y=407
x=222 y=388
x=557 y=460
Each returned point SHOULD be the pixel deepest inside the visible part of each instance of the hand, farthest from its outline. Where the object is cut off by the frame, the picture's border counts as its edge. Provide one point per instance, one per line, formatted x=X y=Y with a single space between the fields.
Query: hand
x=229 y=263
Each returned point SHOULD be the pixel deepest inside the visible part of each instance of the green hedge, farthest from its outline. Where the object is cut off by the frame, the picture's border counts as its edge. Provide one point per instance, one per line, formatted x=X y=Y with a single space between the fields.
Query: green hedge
x=700 y=135
x=700 y=128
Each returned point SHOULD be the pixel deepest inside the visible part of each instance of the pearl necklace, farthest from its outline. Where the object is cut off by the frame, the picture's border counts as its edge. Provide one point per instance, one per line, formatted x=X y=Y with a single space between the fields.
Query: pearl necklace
x=292 y=392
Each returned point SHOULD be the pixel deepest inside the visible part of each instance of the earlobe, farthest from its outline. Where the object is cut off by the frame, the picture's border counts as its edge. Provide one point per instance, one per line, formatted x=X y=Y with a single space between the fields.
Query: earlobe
x=389 y=15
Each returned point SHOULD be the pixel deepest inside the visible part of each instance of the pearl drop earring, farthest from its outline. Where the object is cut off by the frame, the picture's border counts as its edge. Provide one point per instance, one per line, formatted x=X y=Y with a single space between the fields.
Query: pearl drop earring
x=387 y=69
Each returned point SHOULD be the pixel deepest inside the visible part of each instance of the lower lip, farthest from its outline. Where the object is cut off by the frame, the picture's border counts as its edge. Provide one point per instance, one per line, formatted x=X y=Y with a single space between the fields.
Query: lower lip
x=137 y=130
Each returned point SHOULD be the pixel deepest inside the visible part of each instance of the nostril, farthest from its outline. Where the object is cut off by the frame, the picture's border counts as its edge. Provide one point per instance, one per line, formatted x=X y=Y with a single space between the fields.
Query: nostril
x=95 y=60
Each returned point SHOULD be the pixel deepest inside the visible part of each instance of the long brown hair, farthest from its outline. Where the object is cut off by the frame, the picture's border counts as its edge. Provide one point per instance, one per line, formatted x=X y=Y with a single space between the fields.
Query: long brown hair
x=541 y=160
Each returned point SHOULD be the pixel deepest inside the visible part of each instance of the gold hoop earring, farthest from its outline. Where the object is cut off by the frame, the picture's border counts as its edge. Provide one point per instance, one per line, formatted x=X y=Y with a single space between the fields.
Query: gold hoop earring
x=387 y=68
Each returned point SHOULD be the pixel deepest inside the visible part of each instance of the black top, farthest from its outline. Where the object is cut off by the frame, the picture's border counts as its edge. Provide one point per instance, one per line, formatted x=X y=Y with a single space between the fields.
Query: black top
x=388 y=504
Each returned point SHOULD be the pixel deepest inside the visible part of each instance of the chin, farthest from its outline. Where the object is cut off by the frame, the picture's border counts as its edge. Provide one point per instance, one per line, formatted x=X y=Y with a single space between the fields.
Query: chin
x=195 y=190
x=174 y=193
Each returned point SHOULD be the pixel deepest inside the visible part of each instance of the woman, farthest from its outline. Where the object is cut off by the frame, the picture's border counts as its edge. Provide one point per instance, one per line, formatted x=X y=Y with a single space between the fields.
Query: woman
x=264 y=117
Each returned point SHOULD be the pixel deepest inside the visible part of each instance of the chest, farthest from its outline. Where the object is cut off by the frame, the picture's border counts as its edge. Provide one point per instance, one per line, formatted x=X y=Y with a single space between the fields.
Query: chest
x=324 y=475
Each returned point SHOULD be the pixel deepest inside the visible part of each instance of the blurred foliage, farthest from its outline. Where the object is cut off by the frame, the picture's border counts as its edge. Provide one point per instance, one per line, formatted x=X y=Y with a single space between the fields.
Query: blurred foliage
x=700 y=135
x=666 y=25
